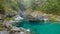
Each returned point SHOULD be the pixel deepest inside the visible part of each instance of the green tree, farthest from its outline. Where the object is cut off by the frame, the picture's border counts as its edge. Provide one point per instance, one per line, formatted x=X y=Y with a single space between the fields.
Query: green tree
x=51 y=6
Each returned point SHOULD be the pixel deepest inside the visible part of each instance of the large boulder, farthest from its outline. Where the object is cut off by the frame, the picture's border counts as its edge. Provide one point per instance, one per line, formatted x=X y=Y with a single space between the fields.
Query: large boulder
x=38 y=16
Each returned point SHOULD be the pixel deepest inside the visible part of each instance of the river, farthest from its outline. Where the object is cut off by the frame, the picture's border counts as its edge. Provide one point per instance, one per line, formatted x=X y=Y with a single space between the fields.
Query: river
x=41 y=27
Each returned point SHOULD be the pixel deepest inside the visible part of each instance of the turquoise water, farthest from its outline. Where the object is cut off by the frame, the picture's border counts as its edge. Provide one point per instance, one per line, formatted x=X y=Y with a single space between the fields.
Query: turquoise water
x=41 y=28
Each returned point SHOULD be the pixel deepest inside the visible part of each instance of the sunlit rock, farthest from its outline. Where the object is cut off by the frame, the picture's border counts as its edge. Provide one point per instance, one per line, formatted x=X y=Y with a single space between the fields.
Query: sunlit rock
x=15 y=28
x=3 y=32
x=18 y=18
x=38 y=16
x=20 y=30
x=44 y=17
x=21 y=33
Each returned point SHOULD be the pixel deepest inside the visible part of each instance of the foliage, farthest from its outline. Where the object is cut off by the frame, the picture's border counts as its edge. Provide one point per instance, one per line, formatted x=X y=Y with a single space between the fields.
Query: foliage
x=51 y=6
x=8 y=4
x=48 y=6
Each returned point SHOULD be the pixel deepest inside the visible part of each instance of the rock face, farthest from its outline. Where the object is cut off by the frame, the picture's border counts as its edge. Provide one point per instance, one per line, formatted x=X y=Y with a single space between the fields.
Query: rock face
x=16 y=30
x=31 y=18
x=20 y=31
x=44 y=17
x=3 y=32
x=36 y=16
x=18 y=18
